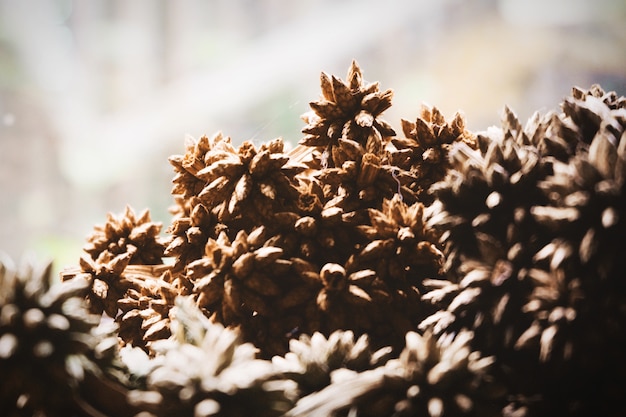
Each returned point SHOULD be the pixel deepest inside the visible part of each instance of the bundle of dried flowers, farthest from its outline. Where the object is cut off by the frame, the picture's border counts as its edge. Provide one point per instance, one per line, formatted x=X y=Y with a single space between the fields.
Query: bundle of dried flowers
x=49 y=342
x=347 y=116
x=429 y=378
x=205 y=369
x=487 y=265
x=282 y=244
x=535 y=265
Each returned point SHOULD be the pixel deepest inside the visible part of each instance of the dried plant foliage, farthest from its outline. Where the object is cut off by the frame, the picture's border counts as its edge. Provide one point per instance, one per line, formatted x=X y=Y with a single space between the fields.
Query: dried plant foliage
x=137 y=236
x=534 y=262
x=311 y=360
x=49 y=342
x=441 y=273
x=347 y=116
x=423 y=154
x=430 y=377
x=206 y=370
x=255 y=232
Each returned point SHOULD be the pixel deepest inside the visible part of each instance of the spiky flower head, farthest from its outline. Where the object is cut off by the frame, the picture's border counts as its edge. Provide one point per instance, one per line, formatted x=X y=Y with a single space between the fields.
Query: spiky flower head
x=311 y=360
x=579 y=298
x=423 y=154
x=429 y=378
x=206 y=370
x=348 y=110
x=407 y=247
x=198 y=155
x=489 y=238
x=129 y=233
x=543 y=290
x=252 y=283
x=246 y=177
x=49 y=341
x=123 y=240
x=227 y=181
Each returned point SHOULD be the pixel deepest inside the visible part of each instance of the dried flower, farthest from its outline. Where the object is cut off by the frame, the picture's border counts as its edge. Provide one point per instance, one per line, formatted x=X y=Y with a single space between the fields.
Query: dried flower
x=348 y=112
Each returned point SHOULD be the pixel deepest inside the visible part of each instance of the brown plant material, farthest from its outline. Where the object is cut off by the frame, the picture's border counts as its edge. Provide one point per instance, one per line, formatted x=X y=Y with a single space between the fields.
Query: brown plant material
x=583 y=258
x=361 y=184
x=402 y=247
x=189 y=234
x=430 y=378
x=311 y=360
x=487 y=199
x=49 y=341
x=532 y=271
x=504 y=243
x=247 y=177
x=217 y=183
x=483 y=211
x=138 y=297
x=578 y=299
x=249 y=283
x=143 y=311
x=129 y=233
x=423 y=154
x=317 y=232
x=348 y=113
x=344 y=294
x=107 y=283
x=198 y=155
x=206 y=369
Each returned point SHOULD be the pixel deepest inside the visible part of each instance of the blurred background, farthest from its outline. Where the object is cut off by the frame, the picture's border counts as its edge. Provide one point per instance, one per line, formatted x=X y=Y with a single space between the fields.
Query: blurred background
x=96 y=94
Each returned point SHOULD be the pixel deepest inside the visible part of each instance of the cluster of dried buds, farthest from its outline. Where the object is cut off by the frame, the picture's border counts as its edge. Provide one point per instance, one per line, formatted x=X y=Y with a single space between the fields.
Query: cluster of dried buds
x=488 y=265
x=534 y=265
x=429 y=378
x=50 y=344
x=330 y=236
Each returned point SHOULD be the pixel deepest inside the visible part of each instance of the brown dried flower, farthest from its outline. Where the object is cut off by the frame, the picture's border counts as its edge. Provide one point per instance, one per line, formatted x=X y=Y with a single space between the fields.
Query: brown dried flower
x=128 y=233
x=348 y=110
x=422 y=156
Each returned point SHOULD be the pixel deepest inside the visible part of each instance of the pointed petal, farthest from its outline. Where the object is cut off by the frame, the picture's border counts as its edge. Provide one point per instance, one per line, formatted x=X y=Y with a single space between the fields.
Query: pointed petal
x=355 y=77
x=327 y=87
x=343 y=95
x=327 y=109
